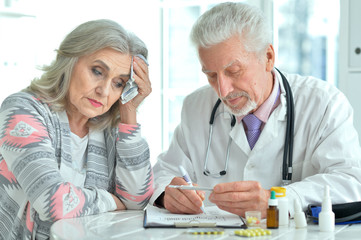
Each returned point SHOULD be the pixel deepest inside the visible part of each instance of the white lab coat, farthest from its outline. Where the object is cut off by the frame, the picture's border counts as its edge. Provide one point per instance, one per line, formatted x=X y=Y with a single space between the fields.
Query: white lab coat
x=326 y=146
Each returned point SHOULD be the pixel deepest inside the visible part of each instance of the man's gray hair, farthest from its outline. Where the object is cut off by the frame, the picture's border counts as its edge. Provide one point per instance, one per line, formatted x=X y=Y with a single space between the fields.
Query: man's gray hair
x=228 y=19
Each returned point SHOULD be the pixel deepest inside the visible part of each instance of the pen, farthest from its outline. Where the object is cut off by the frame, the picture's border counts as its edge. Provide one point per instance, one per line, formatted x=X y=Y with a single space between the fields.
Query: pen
x=187 y=187
x=188 y=180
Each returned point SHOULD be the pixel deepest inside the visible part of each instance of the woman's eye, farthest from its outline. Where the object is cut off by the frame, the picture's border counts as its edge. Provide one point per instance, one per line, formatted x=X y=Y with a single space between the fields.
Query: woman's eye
x=119 y=84
x=96 y=71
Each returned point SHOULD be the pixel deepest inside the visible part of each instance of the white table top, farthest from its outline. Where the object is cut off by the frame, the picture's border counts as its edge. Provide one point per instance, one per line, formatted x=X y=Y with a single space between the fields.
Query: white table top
x=129 y=225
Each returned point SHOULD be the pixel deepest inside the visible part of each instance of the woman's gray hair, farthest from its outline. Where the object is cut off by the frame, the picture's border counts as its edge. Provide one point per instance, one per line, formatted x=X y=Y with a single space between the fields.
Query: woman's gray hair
x=228 y=19
x=89 y=37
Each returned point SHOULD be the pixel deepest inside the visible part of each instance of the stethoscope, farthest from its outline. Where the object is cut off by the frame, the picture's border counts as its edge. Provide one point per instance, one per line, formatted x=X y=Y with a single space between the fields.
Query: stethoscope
x=288 y=148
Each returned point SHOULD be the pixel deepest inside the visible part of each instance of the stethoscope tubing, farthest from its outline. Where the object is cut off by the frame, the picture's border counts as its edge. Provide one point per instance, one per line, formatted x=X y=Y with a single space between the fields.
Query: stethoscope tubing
x=288 y=148
x=211 y=121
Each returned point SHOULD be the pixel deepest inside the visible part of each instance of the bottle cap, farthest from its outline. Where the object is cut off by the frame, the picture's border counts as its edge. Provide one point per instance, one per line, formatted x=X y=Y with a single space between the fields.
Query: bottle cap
x=280 y=191
x=300 y=218
x=273 y=200
x=326 y=202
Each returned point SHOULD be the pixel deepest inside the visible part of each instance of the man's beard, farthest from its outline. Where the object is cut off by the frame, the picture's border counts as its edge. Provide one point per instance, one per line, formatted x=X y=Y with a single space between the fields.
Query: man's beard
x=248 y=107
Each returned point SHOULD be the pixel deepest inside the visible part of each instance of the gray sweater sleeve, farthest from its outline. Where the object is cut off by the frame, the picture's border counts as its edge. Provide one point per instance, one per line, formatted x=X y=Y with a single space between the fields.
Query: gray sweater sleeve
x=134 y=175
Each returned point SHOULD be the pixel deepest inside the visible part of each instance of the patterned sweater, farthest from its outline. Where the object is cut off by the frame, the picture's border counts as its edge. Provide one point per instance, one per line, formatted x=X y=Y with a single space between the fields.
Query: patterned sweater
x=35 y=142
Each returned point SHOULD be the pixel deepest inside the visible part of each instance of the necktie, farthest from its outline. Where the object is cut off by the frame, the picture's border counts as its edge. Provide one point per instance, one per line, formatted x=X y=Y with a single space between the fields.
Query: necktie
x=253 y=128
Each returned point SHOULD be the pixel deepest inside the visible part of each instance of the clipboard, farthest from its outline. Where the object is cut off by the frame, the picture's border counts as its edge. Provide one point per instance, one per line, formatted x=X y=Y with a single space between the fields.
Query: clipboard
x=155 y=217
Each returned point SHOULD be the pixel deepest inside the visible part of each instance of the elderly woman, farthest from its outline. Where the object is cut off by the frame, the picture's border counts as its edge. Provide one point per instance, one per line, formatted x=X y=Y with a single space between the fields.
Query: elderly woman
x=68 y=146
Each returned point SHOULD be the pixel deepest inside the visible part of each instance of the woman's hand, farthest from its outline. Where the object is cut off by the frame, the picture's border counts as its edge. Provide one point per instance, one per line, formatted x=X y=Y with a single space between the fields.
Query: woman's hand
x=141 y=78
x=120 y=205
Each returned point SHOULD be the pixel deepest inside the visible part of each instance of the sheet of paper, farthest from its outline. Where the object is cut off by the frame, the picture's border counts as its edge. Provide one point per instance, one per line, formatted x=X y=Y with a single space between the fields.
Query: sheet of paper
x=161 y=217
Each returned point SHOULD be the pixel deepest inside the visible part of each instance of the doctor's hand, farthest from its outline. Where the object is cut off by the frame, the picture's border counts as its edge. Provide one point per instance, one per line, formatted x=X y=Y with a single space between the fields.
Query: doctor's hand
x=182 y=201
x=239 y=197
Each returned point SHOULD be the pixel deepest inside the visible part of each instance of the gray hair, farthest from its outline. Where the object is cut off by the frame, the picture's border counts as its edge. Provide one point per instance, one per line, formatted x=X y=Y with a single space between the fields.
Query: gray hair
x=85 y=39
x=228 y=19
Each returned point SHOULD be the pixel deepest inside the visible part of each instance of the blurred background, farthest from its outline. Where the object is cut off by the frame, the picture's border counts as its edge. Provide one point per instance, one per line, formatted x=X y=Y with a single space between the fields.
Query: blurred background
x=306 y=37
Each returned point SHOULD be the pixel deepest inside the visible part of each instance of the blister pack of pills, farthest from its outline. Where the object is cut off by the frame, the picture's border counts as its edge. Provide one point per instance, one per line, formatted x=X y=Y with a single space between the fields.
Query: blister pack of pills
x=206 y=231
x=252 y=232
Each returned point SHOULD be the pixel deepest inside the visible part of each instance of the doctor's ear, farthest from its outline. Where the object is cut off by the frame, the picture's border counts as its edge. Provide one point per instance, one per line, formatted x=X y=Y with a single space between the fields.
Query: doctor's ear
x=270 y=55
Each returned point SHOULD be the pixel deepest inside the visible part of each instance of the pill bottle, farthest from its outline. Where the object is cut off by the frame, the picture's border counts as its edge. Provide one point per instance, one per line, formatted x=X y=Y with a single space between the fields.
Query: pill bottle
x=272 y=211
x=282 y=205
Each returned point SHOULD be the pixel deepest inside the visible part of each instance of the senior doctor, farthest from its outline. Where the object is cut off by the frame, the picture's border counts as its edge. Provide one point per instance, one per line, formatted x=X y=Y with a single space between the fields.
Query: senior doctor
x=236 y=55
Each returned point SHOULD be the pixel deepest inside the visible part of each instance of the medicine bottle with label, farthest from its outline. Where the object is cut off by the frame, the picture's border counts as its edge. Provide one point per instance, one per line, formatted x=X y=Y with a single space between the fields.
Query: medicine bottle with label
x=272 y=211
x=282 y=205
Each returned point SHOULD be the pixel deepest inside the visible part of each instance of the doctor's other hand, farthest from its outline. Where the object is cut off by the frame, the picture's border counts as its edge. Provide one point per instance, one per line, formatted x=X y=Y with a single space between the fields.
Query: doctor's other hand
x=239 y=197
x=182 y=201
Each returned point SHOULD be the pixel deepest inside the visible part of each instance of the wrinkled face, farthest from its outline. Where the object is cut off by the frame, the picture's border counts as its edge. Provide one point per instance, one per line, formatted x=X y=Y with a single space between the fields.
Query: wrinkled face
x=242 y=80
x=97 y=82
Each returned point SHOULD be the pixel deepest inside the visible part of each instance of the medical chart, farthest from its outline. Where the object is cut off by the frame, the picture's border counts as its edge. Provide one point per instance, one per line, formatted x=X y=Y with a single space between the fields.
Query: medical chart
x=213 y=216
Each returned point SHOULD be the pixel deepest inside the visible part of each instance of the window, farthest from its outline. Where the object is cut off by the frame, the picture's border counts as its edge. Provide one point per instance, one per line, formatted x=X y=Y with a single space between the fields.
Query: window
x=180 y=63
x=15 y=53
x=181 y=69
x=306 y=37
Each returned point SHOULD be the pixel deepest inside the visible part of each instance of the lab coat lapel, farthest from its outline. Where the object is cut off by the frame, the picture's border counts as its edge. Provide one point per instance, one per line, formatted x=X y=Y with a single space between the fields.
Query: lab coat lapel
x=276 y=124
x=237 y=133
x=272 y=129
x=238 y=136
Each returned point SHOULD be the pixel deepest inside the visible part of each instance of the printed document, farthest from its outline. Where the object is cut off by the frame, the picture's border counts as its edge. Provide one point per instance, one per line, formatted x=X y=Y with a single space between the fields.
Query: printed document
x=213 y=217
